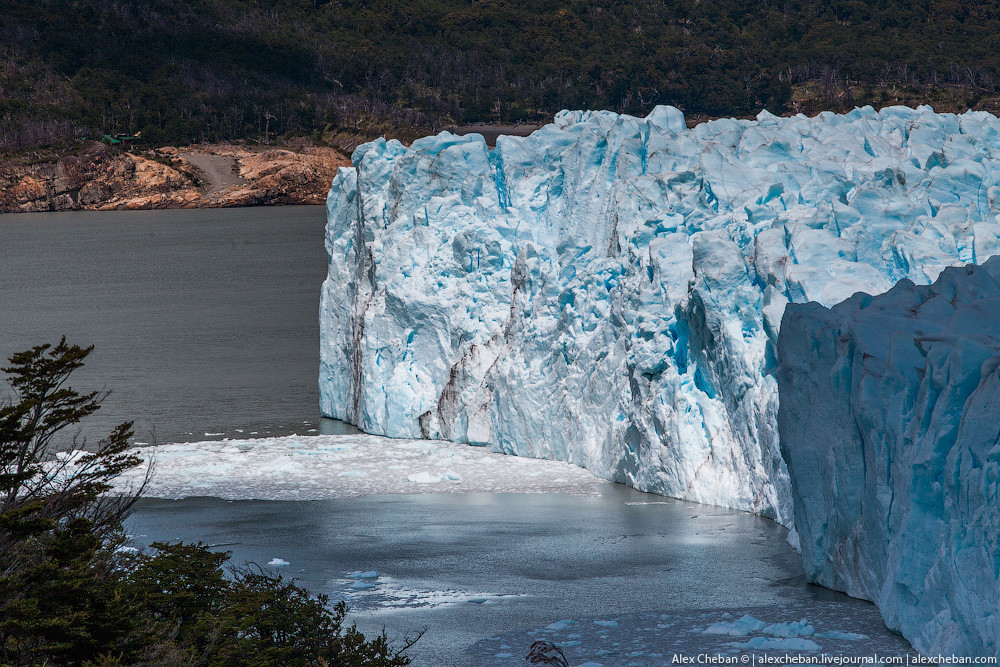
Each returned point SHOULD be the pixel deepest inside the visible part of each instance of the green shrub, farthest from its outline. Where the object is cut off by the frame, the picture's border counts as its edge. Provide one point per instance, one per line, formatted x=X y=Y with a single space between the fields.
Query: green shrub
x=70 y=596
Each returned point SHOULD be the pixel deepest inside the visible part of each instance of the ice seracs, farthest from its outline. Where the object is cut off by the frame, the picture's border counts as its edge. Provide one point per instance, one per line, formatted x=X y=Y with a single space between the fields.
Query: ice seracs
x=608 y=291
x=889 y=419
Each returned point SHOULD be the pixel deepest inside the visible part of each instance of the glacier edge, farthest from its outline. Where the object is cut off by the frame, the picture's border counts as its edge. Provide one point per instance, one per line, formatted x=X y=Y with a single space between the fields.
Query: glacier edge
x=889 y=415
x=609 y=290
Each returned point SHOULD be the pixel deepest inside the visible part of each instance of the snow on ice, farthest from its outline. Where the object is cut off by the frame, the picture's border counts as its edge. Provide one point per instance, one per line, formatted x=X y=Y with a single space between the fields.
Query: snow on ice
x=608 y=290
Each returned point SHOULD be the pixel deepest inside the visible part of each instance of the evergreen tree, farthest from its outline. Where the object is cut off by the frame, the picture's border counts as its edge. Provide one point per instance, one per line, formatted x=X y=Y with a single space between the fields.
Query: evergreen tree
x=70 y=596
x=61 y=598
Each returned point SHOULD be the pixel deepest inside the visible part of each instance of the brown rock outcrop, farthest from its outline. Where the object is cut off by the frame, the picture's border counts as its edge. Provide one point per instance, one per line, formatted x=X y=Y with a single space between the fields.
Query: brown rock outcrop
x=94 y=178
x=280 y=176
x=99 y=178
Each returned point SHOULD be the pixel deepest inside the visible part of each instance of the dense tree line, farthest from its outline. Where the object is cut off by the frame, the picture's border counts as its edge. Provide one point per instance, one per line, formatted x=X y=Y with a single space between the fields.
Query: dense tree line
x=72 y=593
x=221 y=69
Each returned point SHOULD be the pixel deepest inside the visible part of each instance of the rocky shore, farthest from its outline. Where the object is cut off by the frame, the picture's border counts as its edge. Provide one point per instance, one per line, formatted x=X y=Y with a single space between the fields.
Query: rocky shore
x=99 y=178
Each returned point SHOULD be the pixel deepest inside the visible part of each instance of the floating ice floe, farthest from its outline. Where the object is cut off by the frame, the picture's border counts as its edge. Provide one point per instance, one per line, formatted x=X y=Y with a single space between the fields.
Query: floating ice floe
x=741 y=627
x=338 y=466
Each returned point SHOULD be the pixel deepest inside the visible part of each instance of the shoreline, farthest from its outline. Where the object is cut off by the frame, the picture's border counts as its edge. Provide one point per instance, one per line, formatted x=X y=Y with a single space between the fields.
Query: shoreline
x=99 y=178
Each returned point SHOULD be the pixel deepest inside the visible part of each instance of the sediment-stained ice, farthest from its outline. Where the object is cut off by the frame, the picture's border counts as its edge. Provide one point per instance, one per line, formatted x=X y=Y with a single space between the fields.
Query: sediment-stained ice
x=889 y=420
x=608 y=290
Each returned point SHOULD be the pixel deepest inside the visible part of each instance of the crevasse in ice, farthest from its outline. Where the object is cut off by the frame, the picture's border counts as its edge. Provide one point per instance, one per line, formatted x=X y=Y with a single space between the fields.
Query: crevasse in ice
x=608 y=290
x=889 y=420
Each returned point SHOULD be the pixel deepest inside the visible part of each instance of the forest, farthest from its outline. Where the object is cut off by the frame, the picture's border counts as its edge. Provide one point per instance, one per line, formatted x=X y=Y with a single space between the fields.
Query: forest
x=182 y=71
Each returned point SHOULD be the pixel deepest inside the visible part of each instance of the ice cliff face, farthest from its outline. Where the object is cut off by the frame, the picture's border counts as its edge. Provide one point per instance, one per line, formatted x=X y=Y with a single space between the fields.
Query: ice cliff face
x=608 y=291
x=889 y=419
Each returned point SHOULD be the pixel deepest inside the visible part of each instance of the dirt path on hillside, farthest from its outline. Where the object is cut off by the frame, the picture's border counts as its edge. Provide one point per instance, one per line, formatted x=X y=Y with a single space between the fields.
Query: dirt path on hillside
x=219 y=171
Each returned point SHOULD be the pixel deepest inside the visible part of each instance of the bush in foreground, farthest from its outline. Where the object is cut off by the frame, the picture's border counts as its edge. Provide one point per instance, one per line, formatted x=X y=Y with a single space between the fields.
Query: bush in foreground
x=71 y=595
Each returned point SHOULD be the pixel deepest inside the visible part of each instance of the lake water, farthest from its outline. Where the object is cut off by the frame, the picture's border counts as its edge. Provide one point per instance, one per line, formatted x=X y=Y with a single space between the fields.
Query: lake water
x=203 y=321
x=205 y=324
x=486 y=571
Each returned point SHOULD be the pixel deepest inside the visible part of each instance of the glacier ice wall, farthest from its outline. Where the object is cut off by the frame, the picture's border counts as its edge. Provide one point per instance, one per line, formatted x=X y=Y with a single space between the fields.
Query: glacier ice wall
x=889 y=420
x=608 y=290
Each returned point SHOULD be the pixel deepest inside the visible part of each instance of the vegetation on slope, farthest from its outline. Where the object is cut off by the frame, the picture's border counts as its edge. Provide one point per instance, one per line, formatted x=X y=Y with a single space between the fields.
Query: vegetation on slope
x=71 y=595
x=223 y=69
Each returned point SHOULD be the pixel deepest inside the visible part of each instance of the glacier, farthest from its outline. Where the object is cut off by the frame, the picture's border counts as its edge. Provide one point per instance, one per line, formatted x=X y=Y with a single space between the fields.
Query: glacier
x=889 y=417
x=608 y=291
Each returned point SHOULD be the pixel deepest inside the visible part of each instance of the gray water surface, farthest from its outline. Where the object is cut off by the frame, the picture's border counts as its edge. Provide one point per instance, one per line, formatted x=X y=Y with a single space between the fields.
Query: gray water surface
x=484 y=571
x=203 y=321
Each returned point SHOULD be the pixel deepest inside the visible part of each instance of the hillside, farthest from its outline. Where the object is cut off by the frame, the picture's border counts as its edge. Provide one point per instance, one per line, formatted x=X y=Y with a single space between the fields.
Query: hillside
x=340 y=70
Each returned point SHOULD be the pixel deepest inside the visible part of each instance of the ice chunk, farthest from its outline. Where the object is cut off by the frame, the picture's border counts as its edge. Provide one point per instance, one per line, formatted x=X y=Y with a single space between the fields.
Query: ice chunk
x=564 y=624
x=72 y=457
x=795 y=629
x=362 y=585
x=741 y=627
x=277 y=562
